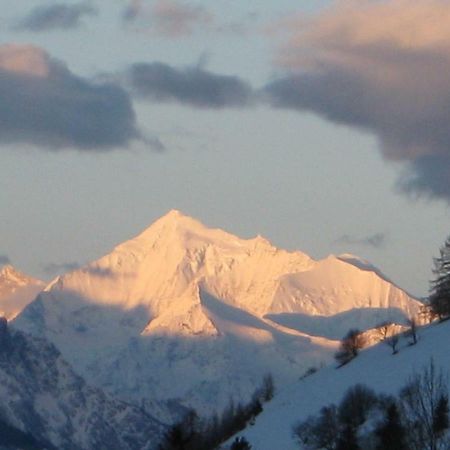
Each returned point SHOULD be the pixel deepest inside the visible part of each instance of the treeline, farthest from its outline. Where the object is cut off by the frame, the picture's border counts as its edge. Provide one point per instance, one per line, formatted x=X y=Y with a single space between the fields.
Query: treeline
x=194 y=433
x=417 y=419
x=355 y=340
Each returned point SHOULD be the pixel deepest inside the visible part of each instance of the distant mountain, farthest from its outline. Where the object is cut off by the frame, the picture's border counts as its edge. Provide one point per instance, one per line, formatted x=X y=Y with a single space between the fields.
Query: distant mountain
x=46 y=405
x=17 y=290
x=194 y=315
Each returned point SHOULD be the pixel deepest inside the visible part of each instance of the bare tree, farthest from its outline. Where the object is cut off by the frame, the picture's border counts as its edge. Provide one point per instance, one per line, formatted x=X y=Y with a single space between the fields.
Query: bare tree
x=420 y=399
x=383 y=329
x=392 y=341
x=412 y=332
x=356 y=405
x=320 y=432
x=352 y=342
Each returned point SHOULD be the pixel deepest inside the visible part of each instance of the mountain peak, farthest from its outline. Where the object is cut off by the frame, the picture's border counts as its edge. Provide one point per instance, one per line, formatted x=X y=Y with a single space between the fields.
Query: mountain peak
x=16 y=291
x=176 y=218
x=177 y=228
x=8 y=272
x=173 y=215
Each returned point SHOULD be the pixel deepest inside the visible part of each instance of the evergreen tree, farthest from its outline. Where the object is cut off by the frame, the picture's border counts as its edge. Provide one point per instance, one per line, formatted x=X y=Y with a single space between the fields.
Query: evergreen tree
x=391 y=433
x=268 y=388
x=182 y=435
x=439 y=299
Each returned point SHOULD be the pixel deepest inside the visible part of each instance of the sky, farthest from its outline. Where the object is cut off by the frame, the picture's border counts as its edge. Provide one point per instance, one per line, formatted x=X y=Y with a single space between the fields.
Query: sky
x=322 y=126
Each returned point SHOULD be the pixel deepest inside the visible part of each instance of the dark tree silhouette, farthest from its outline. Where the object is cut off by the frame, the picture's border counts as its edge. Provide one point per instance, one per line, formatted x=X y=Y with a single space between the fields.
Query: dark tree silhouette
x=268 y=388
x=348 y=439
x=390 y=432
x=240 y=443
x=351 y=343
x=420 y=399
x=392 y=341
x=182 y=435
x=412 y=332
x=321 y=432
x=439 y=299
x=440 y=417
x=356 y=405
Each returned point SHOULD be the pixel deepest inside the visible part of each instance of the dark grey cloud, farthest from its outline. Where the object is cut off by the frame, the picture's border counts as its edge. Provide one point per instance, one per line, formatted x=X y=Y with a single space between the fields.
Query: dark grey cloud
x=133 y=10
x=56 y=16
x=192 y=86
x=46 y=105
x=4 y=259
x=381 y=67
x=429 y=175
x=377 y=240
x=53 y=269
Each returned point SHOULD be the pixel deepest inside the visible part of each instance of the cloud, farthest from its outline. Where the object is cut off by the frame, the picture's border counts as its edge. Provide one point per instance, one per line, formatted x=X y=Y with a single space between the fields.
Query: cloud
x=46 y=105
x=381 y=66
x=240 y=27
x=192 y=86
x=4 y=259
x=56 y=16
x=169 y=18
x=101 y=272
x=377 y=240
x=60 y=268
x=133 y=10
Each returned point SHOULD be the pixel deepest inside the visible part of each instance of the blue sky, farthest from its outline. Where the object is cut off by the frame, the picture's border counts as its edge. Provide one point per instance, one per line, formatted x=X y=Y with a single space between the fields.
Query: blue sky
x=257 y=117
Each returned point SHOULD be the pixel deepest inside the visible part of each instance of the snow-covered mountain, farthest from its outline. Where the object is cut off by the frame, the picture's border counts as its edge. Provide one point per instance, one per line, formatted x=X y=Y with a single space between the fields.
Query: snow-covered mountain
x=192 y=314
x=43 y=397
x=17 y=290
x=375 y=367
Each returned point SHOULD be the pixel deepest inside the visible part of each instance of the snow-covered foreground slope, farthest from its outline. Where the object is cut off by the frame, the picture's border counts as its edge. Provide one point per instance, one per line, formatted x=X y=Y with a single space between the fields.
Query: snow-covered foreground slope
x=42 y=396
x=17 y=290
x=191 y=314
x=375 y=367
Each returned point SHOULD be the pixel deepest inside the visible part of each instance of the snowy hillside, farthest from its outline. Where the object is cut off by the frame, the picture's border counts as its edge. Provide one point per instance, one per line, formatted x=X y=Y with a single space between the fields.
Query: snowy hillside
x=42 y=396
x=191 y=314
x=375 y=367
x=17 y=290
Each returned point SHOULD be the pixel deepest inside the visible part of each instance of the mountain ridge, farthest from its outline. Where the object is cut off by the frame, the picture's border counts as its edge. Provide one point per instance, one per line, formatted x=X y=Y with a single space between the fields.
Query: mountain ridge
x=200 y=301
x=17 y=290
x=46 y=399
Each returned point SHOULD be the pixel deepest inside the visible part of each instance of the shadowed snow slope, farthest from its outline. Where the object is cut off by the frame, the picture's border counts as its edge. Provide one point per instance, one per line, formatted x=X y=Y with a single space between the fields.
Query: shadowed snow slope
x=17 y=290
x=375 y=367
x=179 y=313
x=42 y=396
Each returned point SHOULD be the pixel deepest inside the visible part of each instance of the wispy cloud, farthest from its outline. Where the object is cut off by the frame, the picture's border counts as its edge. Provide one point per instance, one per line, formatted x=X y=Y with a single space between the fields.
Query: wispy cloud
x=169 y=18
x=60 y=16
x=53 y=269
x=193 y=86
x=132 y=10
x=381 y=66
x=377 y=240
x=4 y=259
x=44 y=104
x=240 y=27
